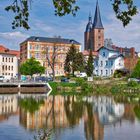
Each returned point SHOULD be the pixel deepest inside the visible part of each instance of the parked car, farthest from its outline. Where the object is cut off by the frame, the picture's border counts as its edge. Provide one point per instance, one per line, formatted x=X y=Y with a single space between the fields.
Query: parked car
x=43 y=79
x=64 y=79
x=4 y=79
x=1 y=78
x=49 y=79
x=82 y=75
x=134 y=79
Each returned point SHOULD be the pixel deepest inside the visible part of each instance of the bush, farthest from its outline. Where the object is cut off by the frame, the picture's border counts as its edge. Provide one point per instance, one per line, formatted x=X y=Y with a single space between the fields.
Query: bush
x=132 y=84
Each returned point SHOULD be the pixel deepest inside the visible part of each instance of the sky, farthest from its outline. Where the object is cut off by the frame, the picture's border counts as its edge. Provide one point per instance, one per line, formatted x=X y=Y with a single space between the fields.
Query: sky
x=44 y=23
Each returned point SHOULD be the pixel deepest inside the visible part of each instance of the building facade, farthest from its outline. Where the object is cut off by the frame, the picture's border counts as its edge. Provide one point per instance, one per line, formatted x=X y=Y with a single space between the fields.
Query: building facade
x=9 y=62
x=107 y=61
x=39 y=47
x=94 y=33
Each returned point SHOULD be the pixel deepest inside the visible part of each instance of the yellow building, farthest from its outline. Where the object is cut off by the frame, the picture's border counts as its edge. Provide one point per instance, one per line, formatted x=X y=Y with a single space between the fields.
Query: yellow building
x=42 y=48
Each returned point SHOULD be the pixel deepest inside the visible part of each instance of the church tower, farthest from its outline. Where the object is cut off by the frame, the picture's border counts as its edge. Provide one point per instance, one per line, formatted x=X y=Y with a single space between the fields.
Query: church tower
x=94 y=37
x=87 y=34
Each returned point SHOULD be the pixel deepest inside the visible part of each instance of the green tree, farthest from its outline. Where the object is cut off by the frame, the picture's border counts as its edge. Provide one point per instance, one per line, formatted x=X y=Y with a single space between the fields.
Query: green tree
x=89 y=65
x=69 y=65
x=74 y=61
x=136 y=71
x=31 y=66
x=124 y=10
x=79 y=62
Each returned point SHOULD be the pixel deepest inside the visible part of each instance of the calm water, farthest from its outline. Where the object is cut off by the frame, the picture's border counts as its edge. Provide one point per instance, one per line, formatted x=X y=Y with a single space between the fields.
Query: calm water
x=70 y=117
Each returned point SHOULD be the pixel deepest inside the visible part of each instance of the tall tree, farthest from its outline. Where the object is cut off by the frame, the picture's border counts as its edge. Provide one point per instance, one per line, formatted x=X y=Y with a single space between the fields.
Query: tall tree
x=79 y=62
x=52 y=58
x=31 y=66
x=136 y=71
x=89 y=65
x=124 y=10
x=70 y=65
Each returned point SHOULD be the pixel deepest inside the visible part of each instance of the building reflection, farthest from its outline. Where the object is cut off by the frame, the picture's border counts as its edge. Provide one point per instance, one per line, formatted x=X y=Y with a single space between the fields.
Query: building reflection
x=94 y=112
x=51 y=114
x=8 y=106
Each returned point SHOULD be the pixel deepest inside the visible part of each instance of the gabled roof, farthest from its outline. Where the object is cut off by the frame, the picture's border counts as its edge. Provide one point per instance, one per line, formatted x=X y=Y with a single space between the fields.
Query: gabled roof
x=51 y=40
x=108 y=48
x=97 y=23
x=115 y=56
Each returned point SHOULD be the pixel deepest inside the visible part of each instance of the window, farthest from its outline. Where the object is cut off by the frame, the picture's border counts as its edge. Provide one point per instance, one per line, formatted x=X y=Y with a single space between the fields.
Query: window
x=12 y=60
x=96 y=72
x=3 y=59
x=103 y=54
x=96 y=63
x=101 y=63
x=111 y=63
x=9 y=59
x=106 y=72
x=9 y=68
x=99 y=31
x=106 y=63
x=111 y=72
x=99 y=37
x=6 y=59
x=101 y=72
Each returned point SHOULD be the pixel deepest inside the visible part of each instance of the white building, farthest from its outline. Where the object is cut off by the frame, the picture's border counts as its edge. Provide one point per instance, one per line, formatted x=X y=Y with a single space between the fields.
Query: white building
x=107 y=61
x=9 y=63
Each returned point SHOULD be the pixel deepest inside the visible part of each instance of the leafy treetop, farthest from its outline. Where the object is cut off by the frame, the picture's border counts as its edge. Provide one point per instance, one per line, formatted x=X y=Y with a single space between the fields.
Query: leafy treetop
x=31 y=66
x=124 y=10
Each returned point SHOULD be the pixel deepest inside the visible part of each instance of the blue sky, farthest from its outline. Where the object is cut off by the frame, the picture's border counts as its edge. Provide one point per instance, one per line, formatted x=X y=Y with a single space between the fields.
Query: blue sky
x=43 y=22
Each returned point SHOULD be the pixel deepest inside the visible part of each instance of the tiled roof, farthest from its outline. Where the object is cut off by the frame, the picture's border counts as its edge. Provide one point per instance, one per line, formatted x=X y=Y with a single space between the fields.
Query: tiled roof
x=14 y=52
x=51 y=40
x=4 y=50
x=86 y=53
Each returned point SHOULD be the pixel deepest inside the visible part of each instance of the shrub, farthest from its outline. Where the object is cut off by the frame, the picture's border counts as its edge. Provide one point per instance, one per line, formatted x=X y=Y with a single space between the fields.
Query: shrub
x=132 y=84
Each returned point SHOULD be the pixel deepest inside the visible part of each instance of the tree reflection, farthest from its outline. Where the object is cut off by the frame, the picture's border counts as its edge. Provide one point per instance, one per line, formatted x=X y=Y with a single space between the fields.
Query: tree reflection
x=30 y=104
x=89 y=122
x=74 y=110
x=137 y=111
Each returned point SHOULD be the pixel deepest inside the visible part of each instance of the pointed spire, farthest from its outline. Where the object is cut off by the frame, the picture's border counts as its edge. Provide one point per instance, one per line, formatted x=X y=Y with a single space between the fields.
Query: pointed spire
x=89 y=25
x=90 y=17
x=97 y=24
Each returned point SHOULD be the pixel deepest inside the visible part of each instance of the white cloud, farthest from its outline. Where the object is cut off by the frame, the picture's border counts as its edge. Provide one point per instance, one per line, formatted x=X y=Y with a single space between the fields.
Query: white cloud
x=125 y=37
x=12 y=39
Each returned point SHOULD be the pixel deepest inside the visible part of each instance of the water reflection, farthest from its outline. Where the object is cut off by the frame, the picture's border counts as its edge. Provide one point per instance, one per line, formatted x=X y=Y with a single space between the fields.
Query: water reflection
x=8 y=106
x=60 y=113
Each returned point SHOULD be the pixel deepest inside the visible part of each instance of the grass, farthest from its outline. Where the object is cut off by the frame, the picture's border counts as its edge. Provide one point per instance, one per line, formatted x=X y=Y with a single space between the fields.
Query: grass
x=55 y=85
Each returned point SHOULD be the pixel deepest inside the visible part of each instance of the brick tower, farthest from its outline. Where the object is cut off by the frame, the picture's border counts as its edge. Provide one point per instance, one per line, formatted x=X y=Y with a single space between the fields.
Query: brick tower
x=94 y=37
x=87 y=34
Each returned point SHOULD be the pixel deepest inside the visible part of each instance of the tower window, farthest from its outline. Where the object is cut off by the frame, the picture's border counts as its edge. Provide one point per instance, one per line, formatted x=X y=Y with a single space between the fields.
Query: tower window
x=99 y=31
x=103 y=54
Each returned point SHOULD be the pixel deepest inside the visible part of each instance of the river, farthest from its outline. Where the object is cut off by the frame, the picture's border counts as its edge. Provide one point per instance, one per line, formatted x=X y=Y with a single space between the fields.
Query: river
x=70 y=117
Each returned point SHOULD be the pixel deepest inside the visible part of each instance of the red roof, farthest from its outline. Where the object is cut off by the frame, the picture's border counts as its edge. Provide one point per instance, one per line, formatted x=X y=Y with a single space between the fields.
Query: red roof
x=86 y=53
x=14 y=52
x=3 y=49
